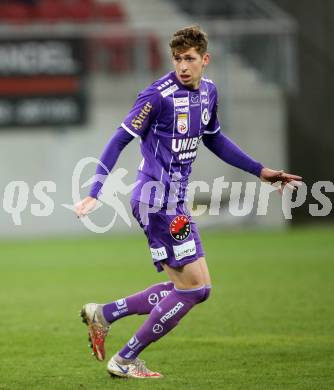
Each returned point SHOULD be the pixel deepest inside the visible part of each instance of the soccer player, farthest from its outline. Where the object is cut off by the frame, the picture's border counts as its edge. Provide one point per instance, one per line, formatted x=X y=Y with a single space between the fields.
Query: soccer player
x=171 y=116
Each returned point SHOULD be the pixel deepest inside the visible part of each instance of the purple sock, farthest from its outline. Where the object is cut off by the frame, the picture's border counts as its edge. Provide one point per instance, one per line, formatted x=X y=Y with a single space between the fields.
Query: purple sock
x=207 y=292
x=140 y=303
x=162 y=319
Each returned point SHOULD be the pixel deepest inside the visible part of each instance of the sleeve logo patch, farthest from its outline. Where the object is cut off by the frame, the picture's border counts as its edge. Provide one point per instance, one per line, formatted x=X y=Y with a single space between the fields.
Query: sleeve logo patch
x=137 y=121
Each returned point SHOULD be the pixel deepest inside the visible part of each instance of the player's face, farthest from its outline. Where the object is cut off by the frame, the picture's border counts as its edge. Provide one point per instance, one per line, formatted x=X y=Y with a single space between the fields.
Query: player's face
x=189 y=67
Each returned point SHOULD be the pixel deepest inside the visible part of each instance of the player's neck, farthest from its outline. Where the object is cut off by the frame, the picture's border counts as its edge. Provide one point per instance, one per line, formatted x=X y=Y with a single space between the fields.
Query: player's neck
x=193 y=87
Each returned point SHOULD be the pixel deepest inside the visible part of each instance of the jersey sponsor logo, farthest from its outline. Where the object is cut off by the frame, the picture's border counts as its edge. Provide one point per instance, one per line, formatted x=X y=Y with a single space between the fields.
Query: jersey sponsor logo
x=138 y=120
x=182 y=123
x=182 y=109
x=204 y=97
x=205 y=116
x=185 y=144
x=157 y=328
x=158 y=253
x=164 y=84
x=169 y=90
x=181 y=101
x=184 y=250
x=194 y=98
x=188 y=155
x=179 y=228
x=171 y=312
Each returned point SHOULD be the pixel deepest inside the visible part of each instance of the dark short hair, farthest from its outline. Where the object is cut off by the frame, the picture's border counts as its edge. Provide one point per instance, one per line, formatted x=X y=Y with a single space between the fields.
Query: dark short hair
x=188 y=37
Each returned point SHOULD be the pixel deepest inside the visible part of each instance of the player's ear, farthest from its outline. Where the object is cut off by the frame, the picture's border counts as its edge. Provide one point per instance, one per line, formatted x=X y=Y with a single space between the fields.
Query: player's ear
x=206 y=59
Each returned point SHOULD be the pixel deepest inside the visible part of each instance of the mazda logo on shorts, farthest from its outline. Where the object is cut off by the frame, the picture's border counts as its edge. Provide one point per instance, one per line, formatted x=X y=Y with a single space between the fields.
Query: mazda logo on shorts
x=157 y=328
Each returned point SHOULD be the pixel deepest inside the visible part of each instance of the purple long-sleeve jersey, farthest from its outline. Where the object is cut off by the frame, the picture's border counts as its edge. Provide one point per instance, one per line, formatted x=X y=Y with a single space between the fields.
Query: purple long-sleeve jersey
x=171 y=120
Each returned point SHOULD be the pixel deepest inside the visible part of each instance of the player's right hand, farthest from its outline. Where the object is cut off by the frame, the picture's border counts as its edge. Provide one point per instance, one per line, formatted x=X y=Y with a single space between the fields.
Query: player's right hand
x=85 y=206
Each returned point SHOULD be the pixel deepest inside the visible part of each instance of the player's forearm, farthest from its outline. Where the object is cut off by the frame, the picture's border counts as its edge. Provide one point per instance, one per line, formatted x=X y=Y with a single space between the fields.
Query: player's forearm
x=229 y=152
x=108 y=159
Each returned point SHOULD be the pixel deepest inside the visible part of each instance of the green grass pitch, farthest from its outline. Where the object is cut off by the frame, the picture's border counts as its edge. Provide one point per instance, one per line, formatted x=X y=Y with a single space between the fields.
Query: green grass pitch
x=269 y=323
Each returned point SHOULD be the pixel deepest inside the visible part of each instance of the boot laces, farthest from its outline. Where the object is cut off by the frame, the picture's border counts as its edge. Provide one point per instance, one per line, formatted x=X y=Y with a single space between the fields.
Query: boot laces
x=140 y=366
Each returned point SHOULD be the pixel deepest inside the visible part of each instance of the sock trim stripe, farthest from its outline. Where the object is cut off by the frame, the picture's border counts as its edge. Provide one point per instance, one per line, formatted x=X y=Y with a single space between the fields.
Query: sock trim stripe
x=190 y=290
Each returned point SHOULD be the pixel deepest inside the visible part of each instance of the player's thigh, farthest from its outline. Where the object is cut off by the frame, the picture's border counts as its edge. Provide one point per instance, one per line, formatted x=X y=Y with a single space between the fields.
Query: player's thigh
x=191 y=275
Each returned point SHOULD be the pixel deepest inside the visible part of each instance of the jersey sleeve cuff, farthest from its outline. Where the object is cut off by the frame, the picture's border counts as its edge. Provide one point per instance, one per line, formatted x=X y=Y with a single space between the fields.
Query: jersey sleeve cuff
x=94 y=193
x=256 y=169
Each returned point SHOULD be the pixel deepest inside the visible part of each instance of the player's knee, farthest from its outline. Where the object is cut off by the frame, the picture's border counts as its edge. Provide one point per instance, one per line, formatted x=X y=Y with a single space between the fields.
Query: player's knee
x=195 y=295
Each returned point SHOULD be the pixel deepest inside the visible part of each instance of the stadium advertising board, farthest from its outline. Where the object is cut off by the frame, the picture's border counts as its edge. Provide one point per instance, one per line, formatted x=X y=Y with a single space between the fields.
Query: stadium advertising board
x=42 y=82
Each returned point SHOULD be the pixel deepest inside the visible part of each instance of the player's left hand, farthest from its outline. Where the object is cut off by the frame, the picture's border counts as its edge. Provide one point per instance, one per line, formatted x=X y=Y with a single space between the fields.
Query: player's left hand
x=85 y=206
x=280 y=179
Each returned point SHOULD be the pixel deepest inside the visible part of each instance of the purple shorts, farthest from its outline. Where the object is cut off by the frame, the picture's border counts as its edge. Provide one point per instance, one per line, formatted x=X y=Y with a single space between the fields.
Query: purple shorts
x=173 y=239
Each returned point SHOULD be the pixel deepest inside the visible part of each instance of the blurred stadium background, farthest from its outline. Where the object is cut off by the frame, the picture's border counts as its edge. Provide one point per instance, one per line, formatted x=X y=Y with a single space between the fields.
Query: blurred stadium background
x=69 y=72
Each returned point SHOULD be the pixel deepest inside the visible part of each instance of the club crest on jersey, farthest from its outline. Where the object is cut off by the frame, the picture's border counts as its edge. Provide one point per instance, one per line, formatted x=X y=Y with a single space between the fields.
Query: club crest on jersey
x=205 y=116
x=182 y=123
x=179 y=228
